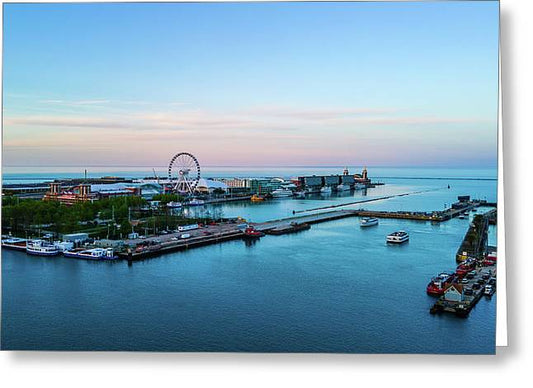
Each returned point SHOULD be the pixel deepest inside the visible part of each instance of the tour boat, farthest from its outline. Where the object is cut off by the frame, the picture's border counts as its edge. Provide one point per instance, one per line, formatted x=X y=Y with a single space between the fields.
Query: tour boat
x=15 y=243
x=282 y=193
x=325 y=190
x=398 y=237
x=257 y=198
x=439 y=283
x=91 y=254
x=343 y=187
x=174 y=205
x=369 y=222
x=196 y=202
x=41 y=248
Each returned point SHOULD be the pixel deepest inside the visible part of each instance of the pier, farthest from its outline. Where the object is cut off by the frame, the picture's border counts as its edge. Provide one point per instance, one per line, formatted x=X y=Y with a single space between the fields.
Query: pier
x=467 y=301
x=475 y=242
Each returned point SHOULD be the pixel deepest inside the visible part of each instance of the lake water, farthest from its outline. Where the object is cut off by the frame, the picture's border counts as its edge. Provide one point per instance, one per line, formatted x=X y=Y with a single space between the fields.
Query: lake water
x=334 y=288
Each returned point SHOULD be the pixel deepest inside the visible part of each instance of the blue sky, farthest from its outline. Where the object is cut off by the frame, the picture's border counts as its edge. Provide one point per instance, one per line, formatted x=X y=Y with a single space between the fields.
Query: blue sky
x=251 y=84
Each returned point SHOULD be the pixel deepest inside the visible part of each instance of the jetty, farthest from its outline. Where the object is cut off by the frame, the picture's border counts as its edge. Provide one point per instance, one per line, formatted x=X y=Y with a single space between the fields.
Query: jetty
x=475 y=242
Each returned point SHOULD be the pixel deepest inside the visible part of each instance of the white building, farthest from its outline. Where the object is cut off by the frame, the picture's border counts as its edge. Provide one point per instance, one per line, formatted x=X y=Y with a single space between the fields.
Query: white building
x=209 y=185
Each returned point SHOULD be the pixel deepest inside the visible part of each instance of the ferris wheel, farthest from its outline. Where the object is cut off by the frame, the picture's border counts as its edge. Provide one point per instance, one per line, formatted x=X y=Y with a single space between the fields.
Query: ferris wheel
x=184 y=173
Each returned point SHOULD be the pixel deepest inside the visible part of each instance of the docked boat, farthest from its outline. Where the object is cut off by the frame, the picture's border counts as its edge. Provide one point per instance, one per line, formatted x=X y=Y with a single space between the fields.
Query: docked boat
x=440 y=283
x=251 y=232
x=91 y=254
x=462 y=216
x=343 y=187
x=490 y=258
x=18 y=244
x=63 y=246
x=282 y=193
x=465 y=267
x=257 y=198
x=300 y=194
x=196 y=202
x=174 y=205
x=398 y=237
x=466 y=213
x=41 y=248
x=489 y=290
x=359 y=186
x=325 y=190
x=368 y=222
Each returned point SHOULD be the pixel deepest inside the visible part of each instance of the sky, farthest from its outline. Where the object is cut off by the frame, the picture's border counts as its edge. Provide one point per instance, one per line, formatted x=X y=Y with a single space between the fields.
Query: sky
x=254 y=84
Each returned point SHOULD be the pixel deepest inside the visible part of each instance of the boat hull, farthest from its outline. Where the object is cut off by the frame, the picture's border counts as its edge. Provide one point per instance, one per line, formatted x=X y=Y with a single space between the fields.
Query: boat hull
x=88 y=257
x=391 y=241
x=41 y=253
x=15 y=247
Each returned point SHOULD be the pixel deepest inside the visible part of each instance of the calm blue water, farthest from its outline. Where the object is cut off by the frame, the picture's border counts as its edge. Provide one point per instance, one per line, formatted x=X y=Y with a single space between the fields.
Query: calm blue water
x=334 y=288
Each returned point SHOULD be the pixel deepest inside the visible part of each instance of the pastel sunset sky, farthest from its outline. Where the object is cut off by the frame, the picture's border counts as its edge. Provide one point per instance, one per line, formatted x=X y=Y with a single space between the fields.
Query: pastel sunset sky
x=390 y=84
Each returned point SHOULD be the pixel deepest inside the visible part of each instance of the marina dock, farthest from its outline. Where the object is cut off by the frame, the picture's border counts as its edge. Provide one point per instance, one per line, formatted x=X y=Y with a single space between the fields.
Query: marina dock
x=467 y=302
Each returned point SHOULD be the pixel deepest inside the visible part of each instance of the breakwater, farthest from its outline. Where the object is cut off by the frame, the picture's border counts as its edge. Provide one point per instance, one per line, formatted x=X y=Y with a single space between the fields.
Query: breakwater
x=367 y=200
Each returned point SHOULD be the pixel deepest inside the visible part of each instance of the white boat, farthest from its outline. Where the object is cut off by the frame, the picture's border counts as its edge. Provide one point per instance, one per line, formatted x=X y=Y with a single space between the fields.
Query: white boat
x=91 y=254
x=174 y=205
x=369 y=222
x=462 y=216
x=325 y=190
x=398 y=237
x=489 y=290
x=343 y=187
x=15 y=243
x=300 y=194
x=359 y=186
x=63 y=246
x=41 y=248
x=281 y=193
x=196 y=202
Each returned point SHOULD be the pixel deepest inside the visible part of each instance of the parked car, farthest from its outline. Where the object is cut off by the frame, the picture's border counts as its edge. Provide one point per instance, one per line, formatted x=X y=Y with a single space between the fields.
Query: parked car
x=185 y=236
x=465 y=281
x=468 y=291
x=476 y=286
